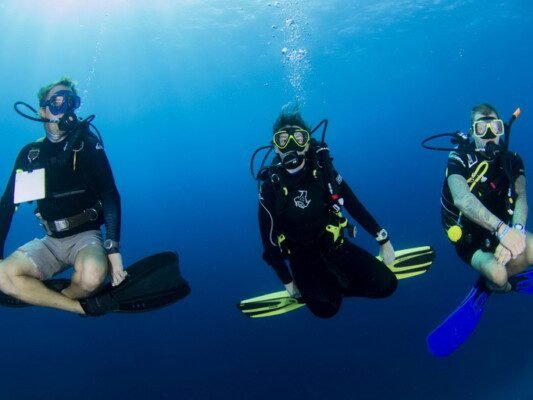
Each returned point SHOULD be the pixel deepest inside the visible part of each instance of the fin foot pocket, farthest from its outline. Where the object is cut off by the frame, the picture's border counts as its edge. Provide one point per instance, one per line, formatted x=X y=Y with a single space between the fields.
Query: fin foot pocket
x=522 y=282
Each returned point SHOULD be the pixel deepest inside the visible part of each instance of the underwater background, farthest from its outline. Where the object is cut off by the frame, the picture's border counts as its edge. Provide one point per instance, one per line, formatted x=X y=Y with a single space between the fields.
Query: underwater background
x=184 y=91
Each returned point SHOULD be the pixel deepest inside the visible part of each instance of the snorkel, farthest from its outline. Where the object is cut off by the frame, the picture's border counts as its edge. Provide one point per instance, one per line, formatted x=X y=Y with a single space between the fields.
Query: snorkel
x=508 y=127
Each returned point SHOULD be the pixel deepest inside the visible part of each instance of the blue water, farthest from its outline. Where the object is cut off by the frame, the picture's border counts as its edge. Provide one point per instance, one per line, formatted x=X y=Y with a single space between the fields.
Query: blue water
x=183 y=93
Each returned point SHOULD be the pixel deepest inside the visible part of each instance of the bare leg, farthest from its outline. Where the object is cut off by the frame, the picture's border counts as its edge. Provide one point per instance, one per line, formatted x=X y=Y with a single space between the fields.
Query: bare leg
x=90 y=270
x=20 y=278
x=487 y=265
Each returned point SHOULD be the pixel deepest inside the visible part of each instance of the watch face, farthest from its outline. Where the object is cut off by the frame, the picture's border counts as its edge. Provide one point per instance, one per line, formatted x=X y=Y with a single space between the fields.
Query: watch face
x=382 y=234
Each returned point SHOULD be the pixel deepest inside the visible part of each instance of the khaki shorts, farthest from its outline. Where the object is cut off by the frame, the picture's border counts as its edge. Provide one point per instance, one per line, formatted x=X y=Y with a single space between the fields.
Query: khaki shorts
x=52 y=255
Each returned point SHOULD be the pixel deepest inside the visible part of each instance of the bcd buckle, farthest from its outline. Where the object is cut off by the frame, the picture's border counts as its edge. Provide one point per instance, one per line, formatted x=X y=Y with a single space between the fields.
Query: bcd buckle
x=61 y=225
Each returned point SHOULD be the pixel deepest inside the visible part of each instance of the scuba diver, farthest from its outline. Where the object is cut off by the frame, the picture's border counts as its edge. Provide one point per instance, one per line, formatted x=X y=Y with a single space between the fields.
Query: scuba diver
x=483 y=204
x=300 y=202
x=68 y=174
x=484 y=212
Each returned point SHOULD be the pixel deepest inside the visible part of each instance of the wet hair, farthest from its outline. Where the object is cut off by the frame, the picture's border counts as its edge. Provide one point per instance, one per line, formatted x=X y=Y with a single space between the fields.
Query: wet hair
x=483 y=109
x=290 y=115
x=65 y=81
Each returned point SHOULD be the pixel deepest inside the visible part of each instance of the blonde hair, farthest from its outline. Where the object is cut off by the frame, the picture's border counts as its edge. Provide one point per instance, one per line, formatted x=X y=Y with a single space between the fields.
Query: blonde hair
x=484 y=109
x=64 y=81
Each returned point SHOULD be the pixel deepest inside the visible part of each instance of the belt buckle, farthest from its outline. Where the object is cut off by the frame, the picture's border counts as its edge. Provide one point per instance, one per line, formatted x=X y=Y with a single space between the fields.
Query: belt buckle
x=61 y=225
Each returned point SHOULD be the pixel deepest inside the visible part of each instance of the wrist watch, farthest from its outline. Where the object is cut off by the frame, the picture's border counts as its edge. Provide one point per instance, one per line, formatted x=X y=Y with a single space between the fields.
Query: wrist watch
x=382 y=237
x=520 y=227
x=111 y=246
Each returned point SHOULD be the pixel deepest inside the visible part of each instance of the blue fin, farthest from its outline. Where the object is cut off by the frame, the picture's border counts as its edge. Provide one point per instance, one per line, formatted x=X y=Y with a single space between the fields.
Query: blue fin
x=458 y=327
x=523 y=282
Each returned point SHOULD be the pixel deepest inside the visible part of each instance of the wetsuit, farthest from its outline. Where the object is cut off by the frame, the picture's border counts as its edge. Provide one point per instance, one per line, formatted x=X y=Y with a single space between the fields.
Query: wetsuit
x=495 y=189
x=74 y=183
x=325 y=270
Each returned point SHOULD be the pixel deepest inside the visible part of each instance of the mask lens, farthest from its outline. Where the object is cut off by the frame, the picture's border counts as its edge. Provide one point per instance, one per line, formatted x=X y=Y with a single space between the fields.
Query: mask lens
x=61 y=102
x=480 y=128
x=299 y=137
x=281 y=138
x=57 y=104
x=496 y=126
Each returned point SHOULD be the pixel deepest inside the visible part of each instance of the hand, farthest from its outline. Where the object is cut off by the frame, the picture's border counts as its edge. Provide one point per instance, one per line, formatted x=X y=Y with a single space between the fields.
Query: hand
x=293 y=290
x=117 y=269
x=513 y=240
x=387 y=253
x=503 y=255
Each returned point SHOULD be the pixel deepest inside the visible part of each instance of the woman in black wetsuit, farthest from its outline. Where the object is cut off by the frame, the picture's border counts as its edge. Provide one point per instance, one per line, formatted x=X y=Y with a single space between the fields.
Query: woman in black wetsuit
x=300 y=219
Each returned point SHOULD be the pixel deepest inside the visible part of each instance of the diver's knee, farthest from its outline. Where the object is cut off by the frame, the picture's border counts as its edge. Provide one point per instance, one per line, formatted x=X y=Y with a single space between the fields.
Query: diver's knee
x=6 y=285
x=92 y=281
x=529 y=248
x=391 y=288
x=498 y=276
x=324 y=310
x=92 y=277
x=387 y=287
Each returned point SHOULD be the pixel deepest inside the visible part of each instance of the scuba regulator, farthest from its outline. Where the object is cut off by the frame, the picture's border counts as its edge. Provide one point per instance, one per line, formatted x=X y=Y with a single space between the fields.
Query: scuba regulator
x=69 y=122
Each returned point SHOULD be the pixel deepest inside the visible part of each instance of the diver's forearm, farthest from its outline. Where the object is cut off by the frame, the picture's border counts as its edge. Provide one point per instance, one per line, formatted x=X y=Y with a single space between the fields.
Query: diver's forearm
x=358 y=211
x=469 y=204
x=7 y=209
x=520 y=211
x=475 y=211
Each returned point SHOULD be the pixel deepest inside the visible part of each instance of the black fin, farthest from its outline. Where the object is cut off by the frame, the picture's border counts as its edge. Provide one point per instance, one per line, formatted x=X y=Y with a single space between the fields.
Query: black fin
x=152 y=283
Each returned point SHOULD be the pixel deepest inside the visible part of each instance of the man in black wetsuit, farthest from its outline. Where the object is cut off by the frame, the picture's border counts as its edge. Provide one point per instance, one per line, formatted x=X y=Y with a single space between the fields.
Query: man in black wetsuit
x=79 y=196
x=484 y=205
x=300 y=220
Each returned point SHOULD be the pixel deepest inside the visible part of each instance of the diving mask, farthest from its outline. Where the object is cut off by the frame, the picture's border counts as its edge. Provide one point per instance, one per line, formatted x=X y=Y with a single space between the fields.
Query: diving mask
x=482 y=126
x=282 y=138
x=61 y=102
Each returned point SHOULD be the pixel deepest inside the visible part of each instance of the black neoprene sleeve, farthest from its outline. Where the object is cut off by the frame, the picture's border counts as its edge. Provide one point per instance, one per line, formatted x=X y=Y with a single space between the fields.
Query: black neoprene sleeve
x=104 y=183
x=7 y=206
x=356 y=209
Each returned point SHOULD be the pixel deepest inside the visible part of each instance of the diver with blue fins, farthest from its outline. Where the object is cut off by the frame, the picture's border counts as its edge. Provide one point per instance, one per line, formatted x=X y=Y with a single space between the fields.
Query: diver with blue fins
x=301 y=201
x=68 y=175
x=484 y=212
